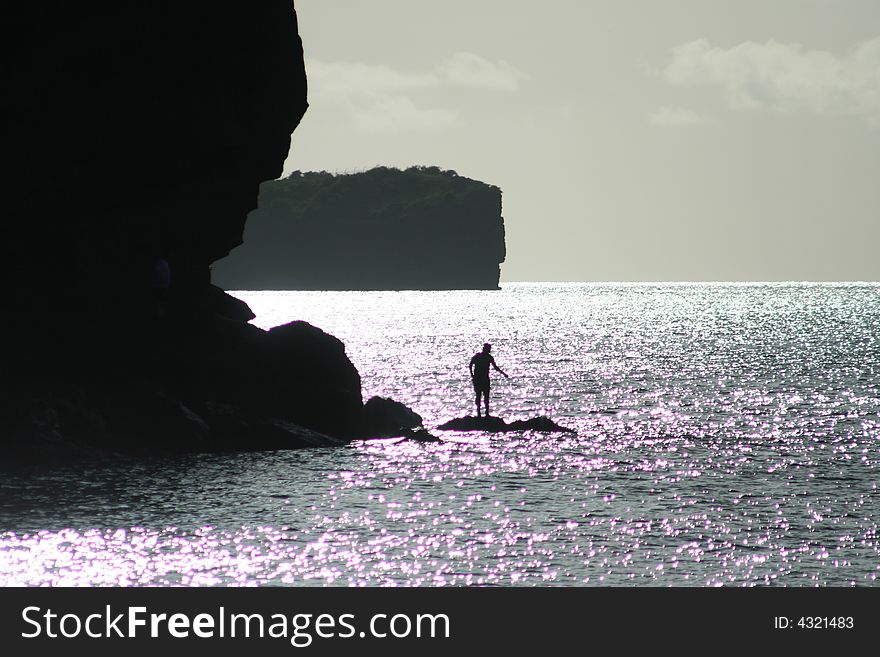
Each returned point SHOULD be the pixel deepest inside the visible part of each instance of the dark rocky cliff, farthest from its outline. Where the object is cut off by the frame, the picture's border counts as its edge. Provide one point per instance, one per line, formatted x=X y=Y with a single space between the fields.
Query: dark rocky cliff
x=138 y=130
x=135 y=139
x=384 y=229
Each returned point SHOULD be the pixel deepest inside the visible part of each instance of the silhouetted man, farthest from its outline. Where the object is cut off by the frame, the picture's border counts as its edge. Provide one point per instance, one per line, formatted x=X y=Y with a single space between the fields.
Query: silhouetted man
x=480 y=375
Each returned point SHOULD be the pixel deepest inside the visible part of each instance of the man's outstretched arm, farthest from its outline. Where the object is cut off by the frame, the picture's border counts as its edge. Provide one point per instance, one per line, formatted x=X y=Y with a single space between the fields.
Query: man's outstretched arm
x=495 y=365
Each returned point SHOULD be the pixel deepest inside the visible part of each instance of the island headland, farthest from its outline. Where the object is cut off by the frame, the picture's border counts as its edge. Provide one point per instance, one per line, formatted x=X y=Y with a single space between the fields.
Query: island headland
x=421 y=228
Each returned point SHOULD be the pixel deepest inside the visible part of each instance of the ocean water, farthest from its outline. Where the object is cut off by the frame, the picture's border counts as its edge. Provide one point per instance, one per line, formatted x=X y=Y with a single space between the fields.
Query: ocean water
x=727 y=434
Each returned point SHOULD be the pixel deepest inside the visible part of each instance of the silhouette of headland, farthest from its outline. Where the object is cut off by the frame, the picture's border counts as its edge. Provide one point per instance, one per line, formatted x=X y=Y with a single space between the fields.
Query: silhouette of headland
x=422 y=228
x=494 y=424
x=136 y=136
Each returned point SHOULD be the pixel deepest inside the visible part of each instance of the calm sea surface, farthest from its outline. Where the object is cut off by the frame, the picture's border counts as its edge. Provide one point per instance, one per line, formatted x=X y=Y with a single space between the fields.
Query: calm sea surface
x=727 y=434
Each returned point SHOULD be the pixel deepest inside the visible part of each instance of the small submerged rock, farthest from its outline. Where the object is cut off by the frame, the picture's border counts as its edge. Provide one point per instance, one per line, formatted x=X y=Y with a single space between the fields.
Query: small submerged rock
x=540 y=423
x=422 y=436
x=496 y=424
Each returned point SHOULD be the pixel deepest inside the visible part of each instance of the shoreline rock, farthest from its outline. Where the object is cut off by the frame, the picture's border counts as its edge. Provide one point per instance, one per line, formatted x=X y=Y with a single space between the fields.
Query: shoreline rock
x=494 y=424
x=385 y=417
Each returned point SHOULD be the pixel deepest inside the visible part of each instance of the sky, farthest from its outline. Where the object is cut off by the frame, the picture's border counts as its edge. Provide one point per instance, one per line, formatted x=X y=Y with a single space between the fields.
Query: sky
x=633 y=140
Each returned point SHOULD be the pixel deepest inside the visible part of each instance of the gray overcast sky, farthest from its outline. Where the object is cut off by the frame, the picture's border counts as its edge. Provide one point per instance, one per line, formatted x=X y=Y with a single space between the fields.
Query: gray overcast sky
x=634 y=140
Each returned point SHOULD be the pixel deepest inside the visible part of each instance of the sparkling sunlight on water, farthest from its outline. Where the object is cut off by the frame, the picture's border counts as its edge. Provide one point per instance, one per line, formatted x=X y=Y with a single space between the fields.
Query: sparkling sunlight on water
x=726 y=435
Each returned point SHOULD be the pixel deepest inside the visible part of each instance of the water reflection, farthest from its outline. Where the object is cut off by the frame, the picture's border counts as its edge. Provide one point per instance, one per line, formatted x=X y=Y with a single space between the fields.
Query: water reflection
x=726 y=436
x=486 y=511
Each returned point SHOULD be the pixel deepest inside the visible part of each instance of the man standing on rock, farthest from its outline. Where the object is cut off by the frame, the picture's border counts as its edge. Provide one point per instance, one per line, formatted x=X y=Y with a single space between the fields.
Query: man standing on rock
x=479 y=367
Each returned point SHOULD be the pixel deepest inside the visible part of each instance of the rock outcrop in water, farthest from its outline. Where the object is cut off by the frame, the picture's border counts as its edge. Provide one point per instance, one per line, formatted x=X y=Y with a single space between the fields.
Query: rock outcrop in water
x=494 y=424
x=384 y=416
x=383 y=229
x=136 y=136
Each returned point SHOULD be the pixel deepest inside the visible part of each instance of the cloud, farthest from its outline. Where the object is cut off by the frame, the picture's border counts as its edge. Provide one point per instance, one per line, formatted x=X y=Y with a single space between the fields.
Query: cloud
x=400 y=113
x=354 y=78
x=379 y=98
x=676 y=116
x=470 y=70
x=785 y=78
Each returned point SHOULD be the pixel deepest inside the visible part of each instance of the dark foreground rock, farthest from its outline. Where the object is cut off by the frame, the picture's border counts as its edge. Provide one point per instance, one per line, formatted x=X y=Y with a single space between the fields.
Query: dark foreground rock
x=496 y=425
x=60 y=421
x=137 y=131
x=136 y=137
x=228 y=386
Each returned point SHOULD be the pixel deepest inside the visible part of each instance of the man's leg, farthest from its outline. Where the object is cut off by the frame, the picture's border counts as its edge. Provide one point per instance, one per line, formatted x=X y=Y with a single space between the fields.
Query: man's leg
x=478 y=403
x=486 y=399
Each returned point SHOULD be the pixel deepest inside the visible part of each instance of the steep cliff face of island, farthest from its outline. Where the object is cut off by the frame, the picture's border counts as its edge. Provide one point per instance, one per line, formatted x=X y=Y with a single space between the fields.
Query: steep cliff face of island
x=136 y=136
x=383 y=229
